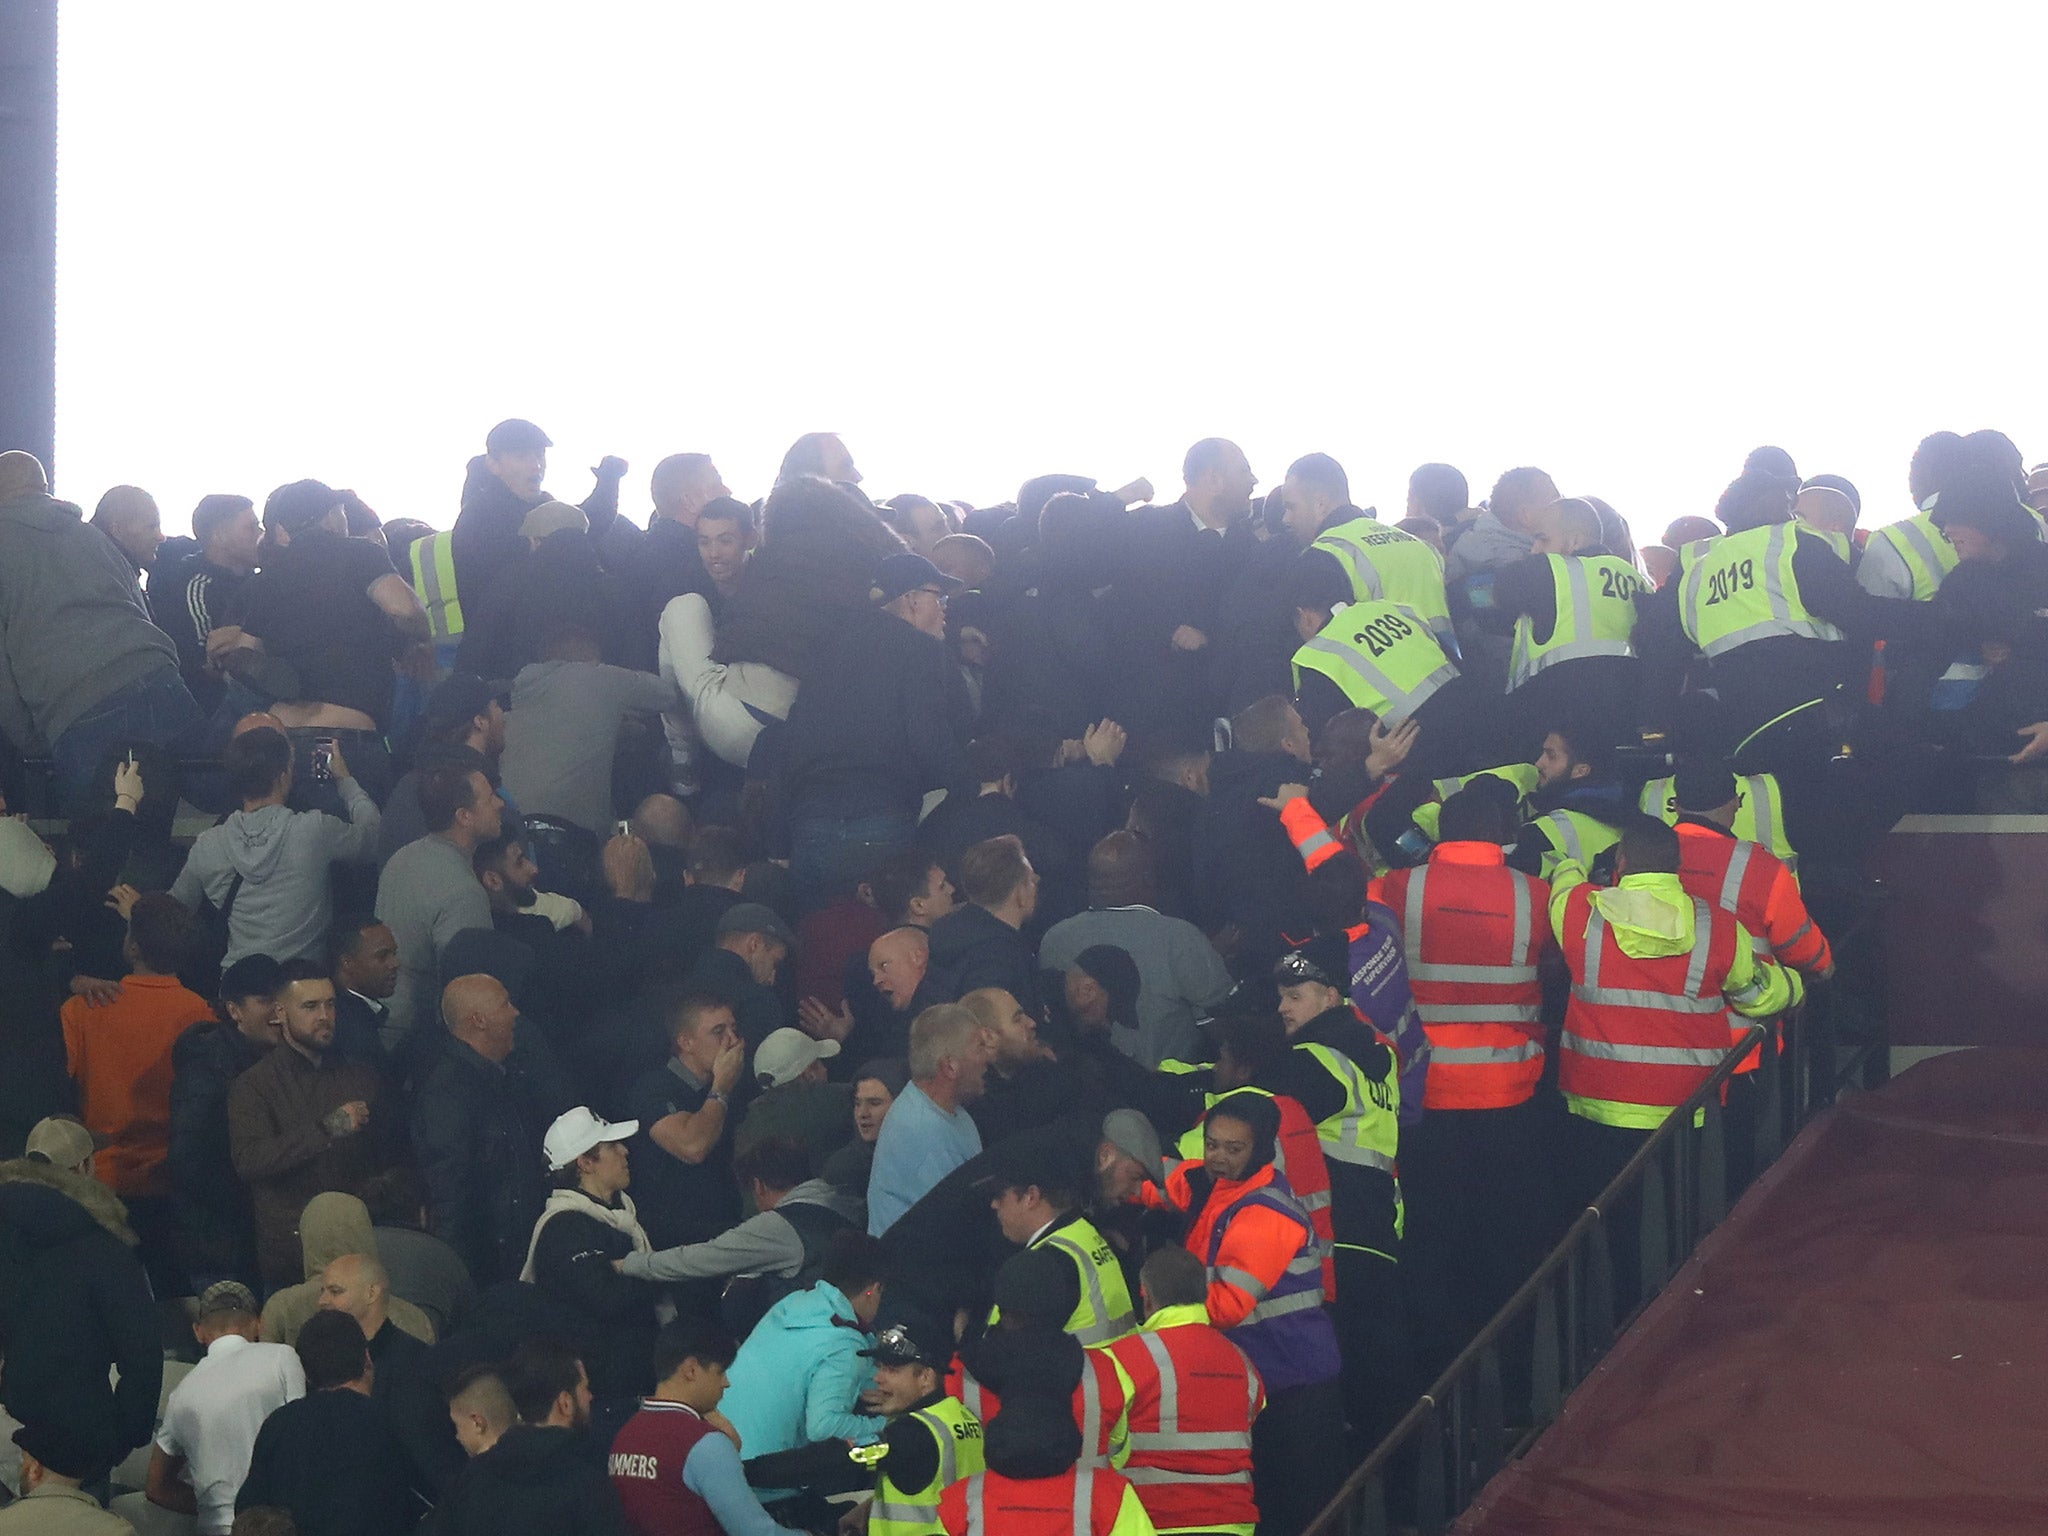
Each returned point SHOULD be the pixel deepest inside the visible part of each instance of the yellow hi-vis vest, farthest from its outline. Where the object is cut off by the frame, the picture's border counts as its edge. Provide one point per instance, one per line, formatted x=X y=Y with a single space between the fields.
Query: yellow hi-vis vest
x=1923 y=549
x=1366 y=1132
x=1430 y=815
x=915 y=1511
x=1576 y=836
x=1741 y=588
x=1387 y=565
x=1104 y=1313
x=1596 y=615
x=1382 y=656
x=1759 y=812
x=433 y=578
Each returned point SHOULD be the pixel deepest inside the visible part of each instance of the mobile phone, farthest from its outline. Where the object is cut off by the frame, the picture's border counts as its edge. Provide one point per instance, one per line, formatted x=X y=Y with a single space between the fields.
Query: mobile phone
x=622 y=828
x=323 y=759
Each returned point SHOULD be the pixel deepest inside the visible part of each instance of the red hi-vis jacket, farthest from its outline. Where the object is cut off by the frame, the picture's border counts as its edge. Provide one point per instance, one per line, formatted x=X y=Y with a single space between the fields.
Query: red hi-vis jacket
x=1193 y=1399
x=1099 y=1403
x=1756 y=885
x=1081 y=1501
x=1473 y=930
x=1654 y=971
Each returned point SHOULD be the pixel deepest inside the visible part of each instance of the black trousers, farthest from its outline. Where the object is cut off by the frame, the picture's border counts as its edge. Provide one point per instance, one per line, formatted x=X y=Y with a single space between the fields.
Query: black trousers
x=1595 y=1154
x=1378 y=1380
x=1299 y=1456
x=1477 y=1183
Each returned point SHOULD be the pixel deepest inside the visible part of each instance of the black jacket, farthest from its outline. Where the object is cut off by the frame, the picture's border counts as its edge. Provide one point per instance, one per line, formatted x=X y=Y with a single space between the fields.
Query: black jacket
x=1362 y=1199
x=74 y=1301
x=1245 y=868
x=214 y=1215
x=664 y=565
x=879 y=720
x=560 y=582
x=477 y=1131
x=960 y=821
x=533 y=1482
x=971 y=947
x=189 y=598
x=333 y=1460
x=572 y=1265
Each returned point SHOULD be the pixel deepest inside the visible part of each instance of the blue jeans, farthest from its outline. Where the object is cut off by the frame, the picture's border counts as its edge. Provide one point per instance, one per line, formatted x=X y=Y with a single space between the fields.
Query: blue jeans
x=829 y=858
x=157 y=711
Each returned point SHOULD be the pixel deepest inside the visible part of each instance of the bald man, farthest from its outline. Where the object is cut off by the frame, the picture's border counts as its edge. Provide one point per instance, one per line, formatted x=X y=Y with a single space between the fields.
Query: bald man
x=477 y=1124
x=1571 y=607
x=128 y=515
x=1830 y=514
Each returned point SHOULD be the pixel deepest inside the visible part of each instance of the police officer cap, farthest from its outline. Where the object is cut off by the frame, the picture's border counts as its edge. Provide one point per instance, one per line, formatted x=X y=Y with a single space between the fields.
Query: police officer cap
x=910 y=1342
x=1326 y=958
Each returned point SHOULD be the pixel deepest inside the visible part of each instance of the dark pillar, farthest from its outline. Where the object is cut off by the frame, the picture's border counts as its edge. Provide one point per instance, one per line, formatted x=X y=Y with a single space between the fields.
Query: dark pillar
x=28 y=226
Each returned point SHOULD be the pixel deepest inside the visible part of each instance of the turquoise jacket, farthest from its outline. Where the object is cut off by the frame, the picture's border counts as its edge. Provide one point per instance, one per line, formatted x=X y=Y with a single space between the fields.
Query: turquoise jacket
x=799 y=1376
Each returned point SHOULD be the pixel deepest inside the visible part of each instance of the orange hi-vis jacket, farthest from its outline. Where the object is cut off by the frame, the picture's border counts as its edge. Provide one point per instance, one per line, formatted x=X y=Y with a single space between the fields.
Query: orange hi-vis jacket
x=1645 y=1029
x=1099 y=1403
x=1473 y=930
x=1756 y=885
x=1318 y=841
x=1193 y=1399
x=1081 y=1501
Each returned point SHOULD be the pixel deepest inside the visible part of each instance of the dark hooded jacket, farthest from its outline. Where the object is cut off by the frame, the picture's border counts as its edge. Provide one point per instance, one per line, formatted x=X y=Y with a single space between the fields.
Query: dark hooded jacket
x=971 y=948
x=487 y=538
x=74 y=1301
x=534 y=1482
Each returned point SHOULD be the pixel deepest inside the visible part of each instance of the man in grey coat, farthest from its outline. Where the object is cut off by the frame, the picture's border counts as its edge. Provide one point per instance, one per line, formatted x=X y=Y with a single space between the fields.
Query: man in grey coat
x=82 y=669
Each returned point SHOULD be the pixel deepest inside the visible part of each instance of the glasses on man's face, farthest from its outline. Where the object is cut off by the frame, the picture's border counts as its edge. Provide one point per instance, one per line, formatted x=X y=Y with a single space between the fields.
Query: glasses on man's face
x=935 y=592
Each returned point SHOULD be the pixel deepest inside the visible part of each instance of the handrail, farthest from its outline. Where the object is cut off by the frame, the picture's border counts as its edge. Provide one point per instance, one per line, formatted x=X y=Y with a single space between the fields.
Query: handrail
x=1561 y=1351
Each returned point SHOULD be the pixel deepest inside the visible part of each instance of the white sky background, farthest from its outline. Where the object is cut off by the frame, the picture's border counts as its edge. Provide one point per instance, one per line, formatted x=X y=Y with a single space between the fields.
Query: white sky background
x=1627 y=243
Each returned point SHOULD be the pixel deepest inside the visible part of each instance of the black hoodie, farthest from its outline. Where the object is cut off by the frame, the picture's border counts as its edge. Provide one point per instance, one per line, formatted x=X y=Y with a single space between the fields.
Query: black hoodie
x=536 y=1481
x=73 y=1301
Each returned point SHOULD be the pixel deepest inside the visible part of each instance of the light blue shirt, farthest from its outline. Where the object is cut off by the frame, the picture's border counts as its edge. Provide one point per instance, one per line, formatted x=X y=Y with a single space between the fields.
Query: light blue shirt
x=920 y=1144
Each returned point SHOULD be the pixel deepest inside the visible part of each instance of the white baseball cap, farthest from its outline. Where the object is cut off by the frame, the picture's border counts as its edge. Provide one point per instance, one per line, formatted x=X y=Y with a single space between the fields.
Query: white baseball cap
x=787 y=1054
x=577 y=1131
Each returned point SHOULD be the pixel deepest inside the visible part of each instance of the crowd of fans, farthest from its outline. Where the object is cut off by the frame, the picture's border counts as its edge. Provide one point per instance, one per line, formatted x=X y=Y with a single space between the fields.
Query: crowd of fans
x=593 y=1026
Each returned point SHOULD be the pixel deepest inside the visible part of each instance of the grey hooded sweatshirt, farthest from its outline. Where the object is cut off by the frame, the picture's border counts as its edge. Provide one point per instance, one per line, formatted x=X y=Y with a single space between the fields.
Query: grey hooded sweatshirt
x=1487 y=544
x=286 y=901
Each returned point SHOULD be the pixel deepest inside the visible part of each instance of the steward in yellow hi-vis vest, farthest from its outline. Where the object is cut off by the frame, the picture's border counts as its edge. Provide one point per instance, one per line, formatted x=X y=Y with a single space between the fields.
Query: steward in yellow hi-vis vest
x=932 y=1441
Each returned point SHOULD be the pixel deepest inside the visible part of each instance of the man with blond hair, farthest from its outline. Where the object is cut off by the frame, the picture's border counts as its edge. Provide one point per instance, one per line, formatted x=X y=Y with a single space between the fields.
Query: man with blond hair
x=929 y=1132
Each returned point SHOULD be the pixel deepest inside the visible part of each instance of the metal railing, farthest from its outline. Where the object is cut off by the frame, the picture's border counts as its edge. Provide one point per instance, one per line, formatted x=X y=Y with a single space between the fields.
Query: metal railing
x=1567 y=1314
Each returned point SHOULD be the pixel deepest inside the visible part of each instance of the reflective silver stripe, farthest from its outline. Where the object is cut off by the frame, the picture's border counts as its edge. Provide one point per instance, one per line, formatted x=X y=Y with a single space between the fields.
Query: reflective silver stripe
x=1169 y=1390
x=1412 y=909
x=1528 y=661
x=1596 y=943
x=1804 y=929
x=1519 y=946
x=970 y=1393
x=977 y=1520
x=1931 y=562
x=1750 y=991
x=949 y=1455
x=1155 y=1475
x=903 y=1514
x=1091 y=1411
x=1637 y=997
x=1343 y=1143
x=1481 y=1013
x=1488 y=1055
x=1317 y=1201
x=1501 y=975
x=1084 y=1499
x=1702 y=948
x=1731 y=882
x=1284 y=1306
x=1564 y=835
x=1193 y=1440
x=1317 y=842
x=1244 y=1280
x=1400 y=702
x=1646 y=1055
